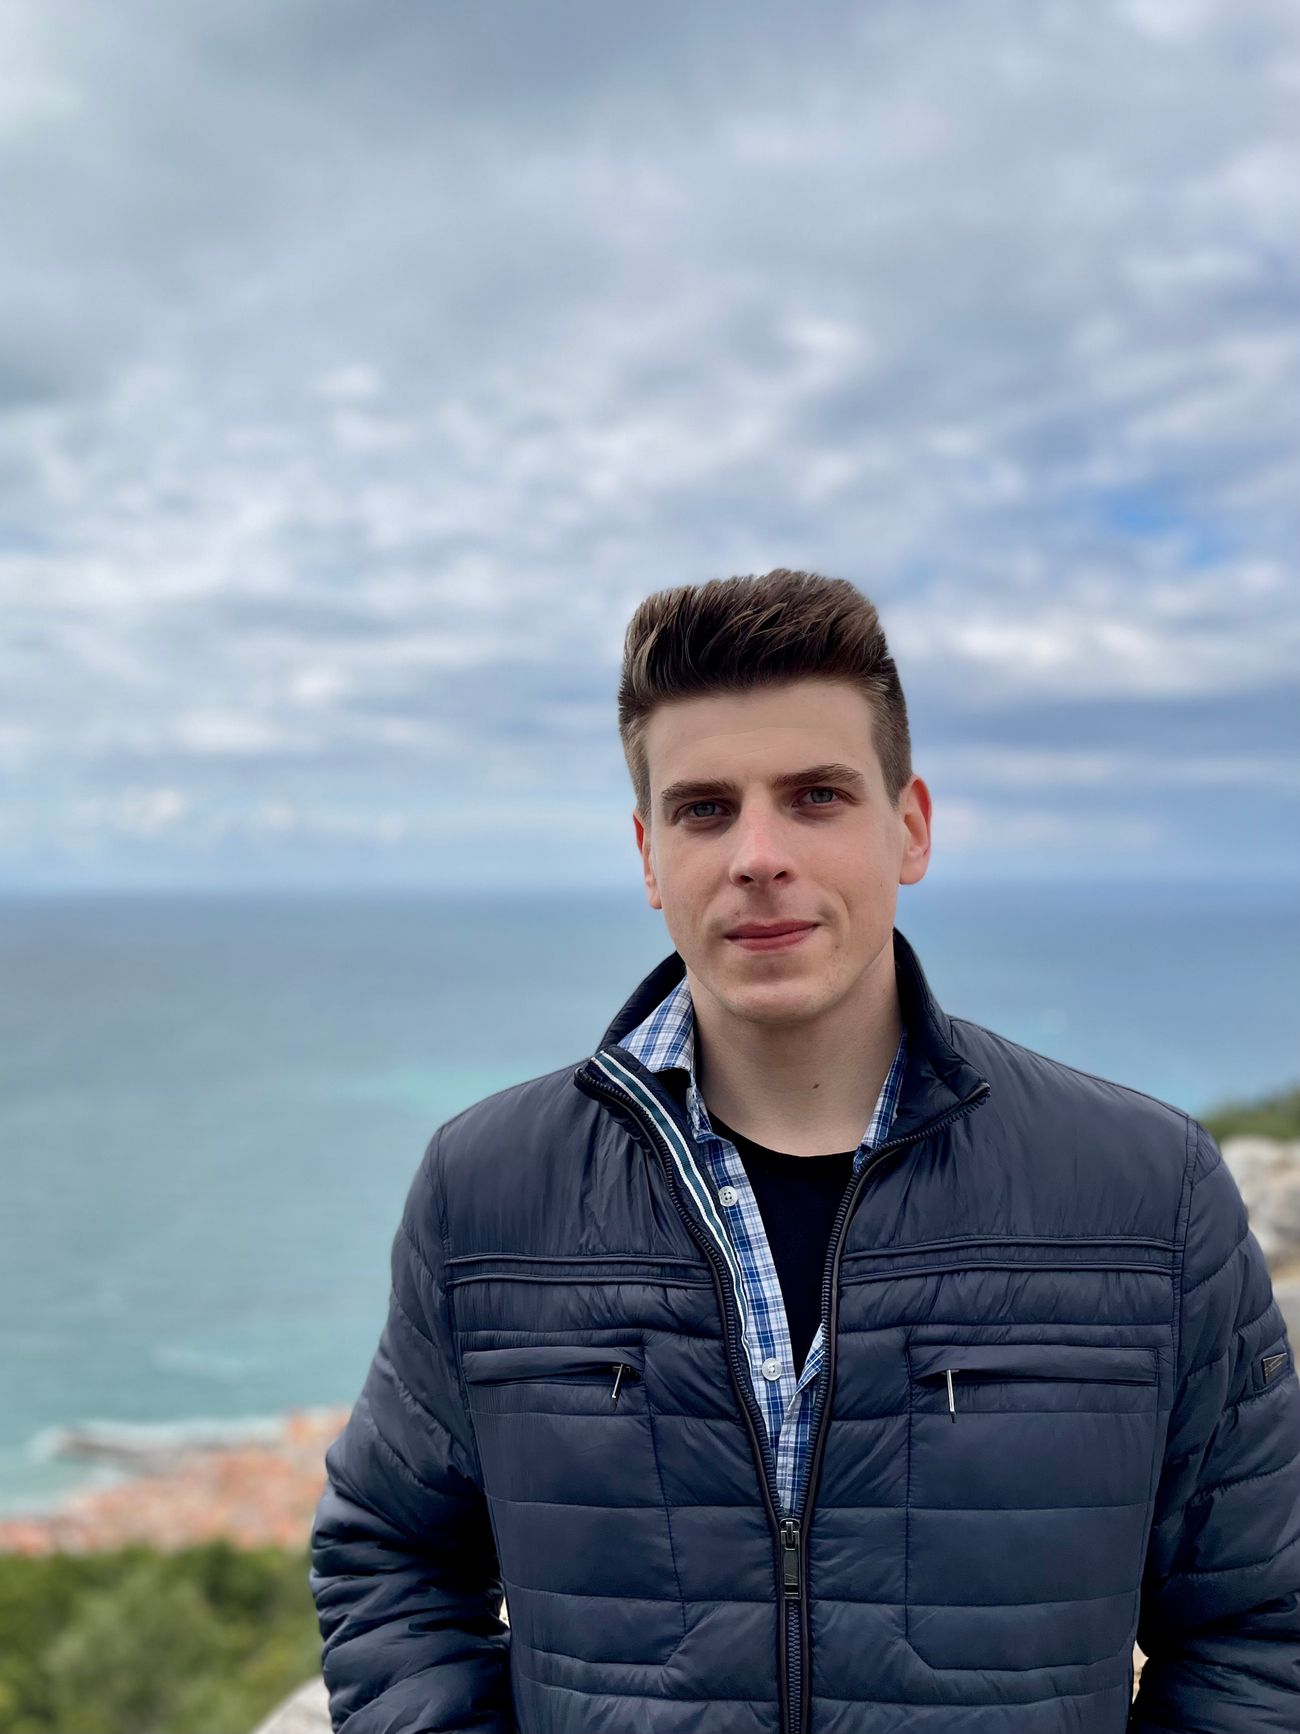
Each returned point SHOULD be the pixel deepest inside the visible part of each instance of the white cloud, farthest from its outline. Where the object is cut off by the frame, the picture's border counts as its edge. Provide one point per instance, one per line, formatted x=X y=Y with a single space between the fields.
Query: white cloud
x=1064 y=768
x=318 y=685
x=966 y=828
x=133 y=812
x=351 y=382
x=33 y=94
x=1097 y=636
x=216 y=731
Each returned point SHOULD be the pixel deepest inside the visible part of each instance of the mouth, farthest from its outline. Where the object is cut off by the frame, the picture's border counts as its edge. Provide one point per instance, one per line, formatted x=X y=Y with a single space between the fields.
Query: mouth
x=775 y=936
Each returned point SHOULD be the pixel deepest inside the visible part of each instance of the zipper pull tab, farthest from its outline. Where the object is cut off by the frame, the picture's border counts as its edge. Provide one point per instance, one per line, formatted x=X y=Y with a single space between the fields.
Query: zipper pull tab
x=790 y=1555
x=952 y=1407
x=617 y=1376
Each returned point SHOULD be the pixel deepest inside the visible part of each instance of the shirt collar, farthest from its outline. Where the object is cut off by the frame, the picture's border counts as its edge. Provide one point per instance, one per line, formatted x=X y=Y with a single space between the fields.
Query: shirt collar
x=664 y=1042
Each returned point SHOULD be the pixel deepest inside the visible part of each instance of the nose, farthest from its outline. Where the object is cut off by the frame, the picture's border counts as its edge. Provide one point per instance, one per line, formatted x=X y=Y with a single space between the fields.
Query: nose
x=759 y=853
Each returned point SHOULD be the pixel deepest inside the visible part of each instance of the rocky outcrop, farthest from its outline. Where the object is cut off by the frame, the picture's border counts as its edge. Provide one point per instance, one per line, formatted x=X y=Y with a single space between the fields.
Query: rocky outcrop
x=1268 y=1173
x=306 y=1711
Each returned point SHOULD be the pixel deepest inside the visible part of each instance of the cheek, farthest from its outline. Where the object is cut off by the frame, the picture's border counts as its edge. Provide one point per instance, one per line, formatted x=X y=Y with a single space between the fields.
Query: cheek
x=854 y=867
x=688 y=873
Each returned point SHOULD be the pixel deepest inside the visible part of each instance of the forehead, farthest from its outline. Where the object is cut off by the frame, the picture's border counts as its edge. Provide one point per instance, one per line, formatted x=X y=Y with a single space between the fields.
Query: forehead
x=764 y=731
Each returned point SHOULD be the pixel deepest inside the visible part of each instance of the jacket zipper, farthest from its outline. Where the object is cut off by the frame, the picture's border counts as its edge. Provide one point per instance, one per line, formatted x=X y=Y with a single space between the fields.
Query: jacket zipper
x=826 y=1377
x=789 y=1530
x=740 y=1378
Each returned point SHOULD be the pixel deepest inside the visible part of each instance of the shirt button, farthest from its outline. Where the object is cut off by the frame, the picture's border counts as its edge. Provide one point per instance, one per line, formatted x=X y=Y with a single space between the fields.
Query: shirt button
x=772 y=1369
x=727 y=1195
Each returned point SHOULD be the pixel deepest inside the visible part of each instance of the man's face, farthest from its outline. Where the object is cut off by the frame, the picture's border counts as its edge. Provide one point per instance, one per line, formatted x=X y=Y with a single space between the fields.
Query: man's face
x=827 y=848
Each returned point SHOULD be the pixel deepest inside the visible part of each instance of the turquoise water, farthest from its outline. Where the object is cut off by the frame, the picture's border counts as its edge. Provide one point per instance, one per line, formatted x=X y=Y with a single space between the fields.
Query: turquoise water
x=211 y=1107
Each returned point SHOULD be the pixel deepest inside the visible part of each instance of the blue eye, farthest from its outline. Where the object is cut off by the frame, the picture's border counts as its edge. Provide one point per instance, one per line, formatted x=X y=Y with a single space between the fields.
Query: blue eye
x=817 y=789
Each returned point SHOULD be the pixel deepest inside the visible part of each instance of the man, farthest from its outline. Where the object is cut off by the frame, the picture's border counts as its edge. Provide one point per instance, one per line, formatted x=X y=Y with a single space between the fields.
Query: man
x=767 y=1424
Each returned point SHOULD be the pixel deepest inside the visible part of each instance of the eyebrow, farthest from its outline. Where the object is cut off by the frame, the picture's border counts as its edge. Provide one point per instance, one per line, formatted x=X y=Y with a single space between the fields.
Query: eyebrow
x=707 y=789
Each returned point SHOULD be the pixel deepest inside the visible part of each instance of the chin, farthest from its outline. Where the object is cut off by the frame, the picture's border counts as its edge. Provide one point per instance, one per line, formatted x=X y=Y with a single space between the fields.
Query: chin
x=775 y=1000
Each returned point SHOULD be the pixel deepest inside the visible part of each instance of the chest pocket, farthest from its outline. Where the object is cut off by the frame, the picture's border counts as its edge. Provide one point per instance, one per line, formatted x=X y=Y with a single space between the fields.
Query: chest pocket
x=561 y=1421
x=570 y=1467
x=1030 y=1473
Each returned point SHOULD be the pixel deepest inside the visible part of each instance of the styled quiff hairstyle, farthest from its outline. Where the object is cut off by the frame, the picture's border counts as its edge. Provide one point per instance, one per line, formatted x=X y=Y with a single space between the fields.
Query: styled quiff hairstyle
x=731 y=634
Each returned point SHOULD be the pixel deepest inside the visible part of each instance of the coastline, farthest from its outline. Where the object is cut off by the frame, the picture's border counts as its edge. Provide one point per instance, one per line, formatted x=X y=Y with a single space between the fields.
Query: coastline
x=252 y=1491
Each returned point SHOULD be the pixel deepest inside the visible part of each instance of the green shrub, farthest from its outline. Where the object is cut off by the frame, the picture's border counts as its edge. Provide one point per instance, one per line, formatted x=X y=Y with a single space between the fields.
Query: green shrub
x=203 y=1641
x=1275 y=1116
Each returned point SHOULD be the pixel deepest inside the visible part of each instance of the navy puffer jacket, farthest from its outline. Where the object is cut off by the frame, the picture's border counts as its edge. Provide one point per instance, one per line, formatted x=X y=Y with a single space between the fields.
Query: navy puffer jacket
x=1059 y=1411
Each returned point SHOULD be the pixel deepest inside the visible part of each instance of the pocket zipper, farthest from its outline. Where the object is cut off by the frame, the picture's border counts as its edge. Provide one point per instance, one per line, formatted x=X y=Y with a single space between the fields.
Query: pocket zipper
x=1117 y=1377
x=552 y=1361
x=620 y=1367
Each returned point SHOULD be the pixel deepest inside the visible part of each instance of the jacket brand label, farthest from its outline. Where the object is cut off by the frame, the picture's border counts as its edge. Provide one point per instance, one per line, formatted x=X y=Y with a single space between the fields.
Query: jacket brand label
x=1271 y=1363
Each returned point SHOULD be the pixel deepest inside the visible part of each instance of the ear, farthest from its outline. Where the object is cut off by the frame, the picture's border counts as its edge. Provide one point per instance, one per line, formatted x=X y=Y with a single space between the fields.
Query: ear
x=914 y=808
x=643 y=844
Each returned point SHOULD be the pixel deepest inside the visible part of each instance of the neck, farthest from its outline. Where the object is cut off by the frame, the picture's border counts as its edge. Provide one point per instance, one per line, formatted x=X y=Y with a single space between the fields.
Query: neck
x=808 y=1087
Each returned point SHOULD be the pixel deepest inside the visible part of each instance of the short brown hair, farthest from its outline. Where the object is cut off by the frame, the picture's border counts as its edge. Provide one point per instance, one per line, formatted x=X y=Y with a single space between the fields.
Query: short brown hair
x=731 y=634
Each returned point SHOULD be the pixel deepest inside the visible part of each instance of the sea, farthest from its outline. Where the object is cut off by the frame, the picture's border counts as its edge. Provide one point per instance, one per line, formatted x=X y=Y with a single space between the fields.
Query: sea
x=212 y=1104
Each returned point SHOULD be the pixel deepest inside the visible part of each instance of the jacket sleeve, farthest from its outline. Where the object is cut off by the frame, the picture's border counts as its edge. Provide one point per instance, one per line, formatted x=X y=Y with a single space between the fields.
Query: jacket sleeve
x=1219 y=1620
x=404 y=1569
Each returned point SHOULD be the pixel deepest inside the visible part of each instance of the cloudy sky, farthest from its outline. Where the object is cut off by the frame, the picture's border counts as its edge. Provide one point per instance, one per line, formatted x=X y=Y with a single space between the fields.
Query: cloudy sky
x=363 y=365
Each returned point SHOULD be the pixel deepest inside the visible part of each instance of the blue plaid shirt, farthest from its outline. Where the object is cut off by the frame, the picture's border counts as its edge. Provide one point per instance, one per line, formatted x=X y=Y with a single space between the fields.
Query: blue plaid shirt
x=666 y=1039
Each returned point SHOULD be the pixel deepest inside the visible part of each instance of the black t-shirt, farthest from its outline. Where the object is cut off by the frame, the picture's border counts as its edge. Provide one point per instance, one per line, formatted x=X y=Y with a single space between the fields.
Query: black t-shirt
x=797 y=1198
